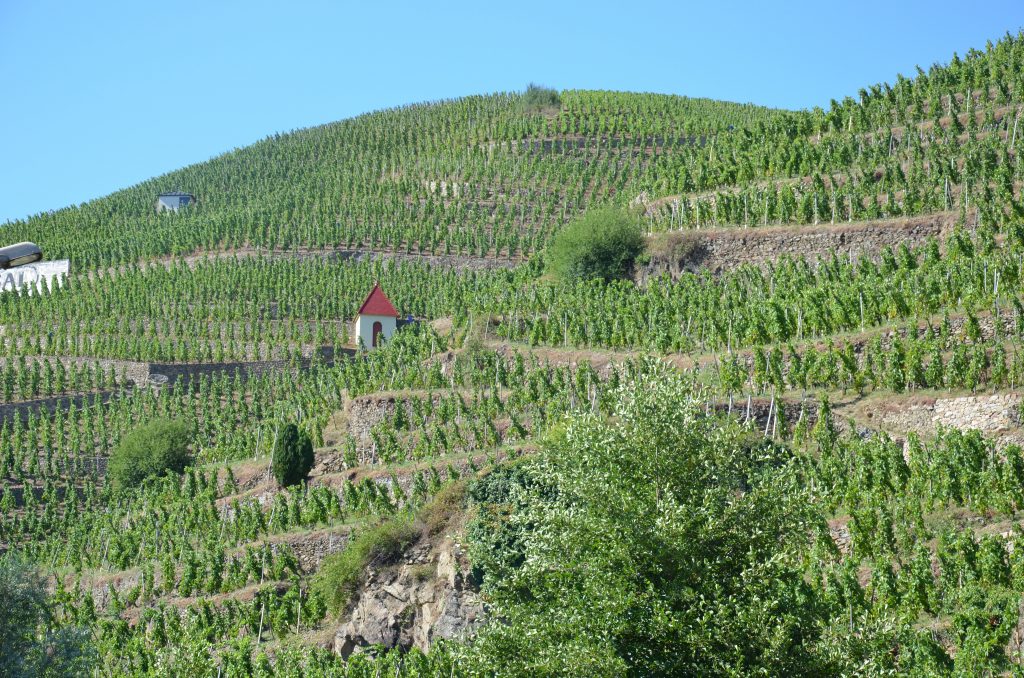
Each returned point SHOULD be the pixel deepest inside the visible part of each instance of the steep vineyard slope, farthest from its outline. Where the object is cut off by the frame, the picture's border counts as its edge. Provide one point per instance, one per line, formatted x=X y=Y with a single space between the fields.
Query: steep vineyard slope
x=478 y=175
x=792 y=439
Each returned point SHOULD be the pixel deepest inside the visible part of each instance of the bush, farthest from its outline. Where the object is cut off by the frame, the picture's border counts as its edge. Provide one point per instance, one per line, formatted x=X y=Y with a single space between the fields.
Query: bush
x=537 y=96
x=672 y=246
x=576 y=581
x=445 y=505
x=156 y=448
x=602 y=244
x=340 y=573
x=293 y=456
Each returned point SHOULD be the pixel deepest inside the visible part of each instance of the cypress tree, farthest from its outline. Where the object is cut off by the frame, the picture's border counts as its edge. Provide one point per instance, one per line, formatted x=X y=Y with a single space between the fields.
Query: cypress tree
x=293 y=456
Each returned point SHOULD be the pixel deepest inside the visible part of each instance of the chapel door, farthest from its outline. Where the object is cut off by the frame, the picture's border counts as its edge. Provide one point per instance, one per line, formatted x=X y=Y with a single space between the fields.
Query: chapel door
x=377 y=329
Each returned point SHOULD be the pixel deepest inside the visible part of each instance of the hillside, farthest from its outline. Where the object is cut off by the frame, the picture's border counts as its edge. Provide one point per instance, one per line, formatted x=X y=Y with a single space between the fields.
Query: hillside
x=789 y=442
x=481 y=174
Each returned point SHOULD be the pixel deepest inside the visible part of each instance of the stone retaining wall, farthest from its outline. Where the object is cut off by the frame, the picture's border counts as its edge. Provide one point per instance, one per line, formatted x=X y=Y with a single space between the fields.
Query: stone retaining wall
x=724 y=249
x=140 y=373
x=996 y=416
x=127 y=370
x=362 y=414
x=459 y=261
x=8 y=411
x=991 y=414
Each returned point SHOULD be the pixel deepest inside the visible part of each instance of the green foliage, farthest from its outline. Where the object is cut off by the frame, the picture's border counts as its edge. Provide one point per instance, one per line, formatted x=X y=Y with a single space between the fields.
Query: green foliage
x=603 y=244
x=644 y=538
x=655 y=544
x=293 y=456
x=158 y=447
x=340 y=573
x=538 y=97
x=32 y=643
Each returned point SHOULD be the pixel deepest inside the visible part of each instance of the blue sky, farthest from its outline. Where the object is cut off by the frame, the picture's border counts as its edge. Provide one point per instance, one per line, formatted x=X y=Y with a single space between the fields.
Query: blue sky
x=101 y=95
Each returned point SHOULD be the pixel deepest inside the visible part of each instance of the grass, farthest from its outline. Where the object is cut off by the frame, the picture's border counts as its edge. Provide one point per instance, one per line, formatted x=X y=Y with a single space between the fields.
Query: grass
x=341 y=573
x=446 y=505
x=382 y=544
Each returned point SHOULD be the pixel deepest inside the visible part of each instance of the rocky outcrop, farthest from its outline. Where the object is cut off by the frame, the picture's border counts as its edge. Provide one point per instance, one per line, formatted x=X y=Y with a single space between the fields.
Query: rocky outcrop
x=430 y=595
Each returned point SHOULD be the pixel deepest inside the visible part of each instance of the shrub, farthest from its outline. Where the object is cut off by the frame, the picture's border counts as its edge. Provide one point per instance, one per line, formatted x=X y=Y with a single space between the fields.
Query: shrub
x=293 y=456
x=340 y=573
x=537 y=96
x=445 y=505
x=672 y=246
x=156 y=448
x=602 y=244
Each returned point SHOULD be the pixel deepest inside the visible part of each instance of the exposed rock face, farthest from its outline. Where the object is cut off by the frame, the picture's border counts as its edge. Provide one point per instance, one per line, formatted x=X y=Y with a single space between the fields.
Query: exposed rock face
x=428 y=596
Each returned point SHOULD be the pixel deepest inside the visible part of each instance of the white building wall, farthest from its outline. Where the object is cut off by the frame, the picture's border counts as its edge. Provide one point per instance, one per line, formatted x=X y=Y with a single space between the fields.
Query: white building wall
x=171 y=202
x=364 y=328
x=32 y=277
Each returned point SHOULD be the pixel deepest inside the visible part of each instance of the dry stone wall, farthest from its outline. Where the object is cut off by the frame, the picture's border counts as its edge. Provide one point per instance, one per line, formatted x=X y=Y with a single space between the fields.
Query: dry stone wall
x=143 y=374
x=362 y=415
x=311 y=549
x=719 y=250
x=22 y=409
x=125 y=370
x=995 y=415
x=459 y=261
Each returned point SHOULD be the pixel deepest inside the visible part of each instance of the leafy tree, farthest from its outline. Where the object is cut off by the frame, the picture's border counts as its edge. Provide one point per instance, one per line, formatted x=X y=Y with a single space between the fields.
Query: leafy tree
x=601 y=244
x=293 y=456
x=656 y=543
x=31 y=641
x=156 y=448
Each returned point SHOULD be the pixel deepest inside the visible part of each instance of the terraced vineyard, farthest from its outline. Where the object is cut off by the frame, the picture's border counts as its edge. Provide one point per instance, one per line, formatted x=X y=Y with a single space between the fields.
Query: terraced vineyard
x=807 y=460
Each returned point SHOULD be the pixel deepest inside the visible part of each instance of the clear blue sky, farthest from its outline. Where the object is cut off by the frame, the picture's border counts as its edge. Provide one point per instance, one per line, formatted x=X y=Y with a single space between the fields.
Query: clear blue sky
x=100 y=95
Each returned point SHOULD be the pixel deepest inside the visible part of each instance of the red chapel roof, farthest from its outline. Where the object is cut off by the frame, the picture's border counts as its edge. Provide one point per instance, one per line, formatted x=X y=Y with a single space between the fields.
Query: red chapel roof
x=377 y=303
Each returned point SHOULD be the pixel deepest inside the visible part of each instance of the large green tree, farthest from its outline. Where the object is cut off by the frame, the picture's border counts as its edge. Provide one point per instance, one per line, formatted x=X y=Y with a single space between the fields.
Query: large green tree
x=659 y=542
x=158 y=447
